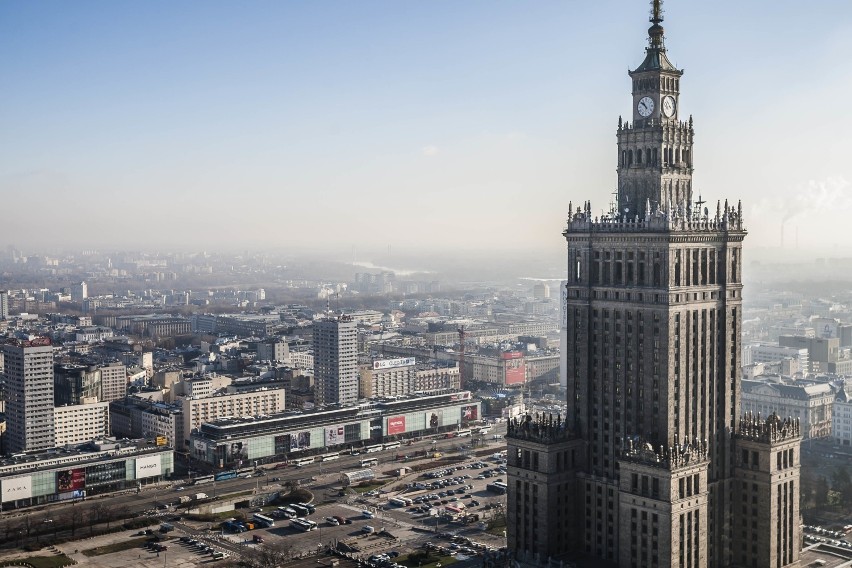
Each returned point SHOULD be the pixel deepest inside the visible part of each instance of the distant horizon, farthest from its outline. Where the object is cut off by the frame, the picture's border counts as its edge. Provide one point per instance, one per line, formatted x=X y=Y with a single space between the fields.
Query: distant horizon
x=457 y=126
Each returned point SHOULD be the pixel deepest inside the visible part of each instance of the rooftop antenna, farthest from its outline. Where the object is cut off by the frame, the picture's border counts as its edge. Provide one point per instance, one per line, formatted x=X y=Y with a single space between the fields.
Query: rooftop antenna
x=328 y=306
x=337 y=295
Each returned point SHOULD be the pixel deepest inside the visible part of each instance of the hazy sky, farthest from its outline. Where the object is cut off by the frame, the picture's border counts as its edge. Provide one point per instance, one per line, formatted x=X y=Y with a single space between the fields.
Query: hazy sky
x=417 y=124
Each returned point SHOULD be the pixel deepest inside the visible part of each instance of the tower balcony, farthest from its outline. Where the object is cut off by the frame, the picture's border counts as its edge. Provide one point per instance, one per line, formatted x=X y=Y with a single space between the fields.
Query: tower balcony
x=674 y=220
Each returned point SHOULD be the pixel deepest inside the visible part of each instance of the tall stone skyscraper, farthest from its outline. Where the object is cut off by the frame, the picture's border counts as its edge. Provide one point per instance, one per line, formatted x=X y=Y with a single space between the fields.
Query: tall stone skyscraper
x=653 y=466
x=28 y=378
x=336 y=360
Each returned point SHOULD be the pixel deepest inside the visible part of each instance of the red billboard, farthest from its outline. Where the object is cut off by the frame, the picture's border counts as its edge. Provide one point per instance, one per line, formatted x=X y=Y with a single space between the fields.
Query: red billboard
x=396 y=425
x=516 y=371
x=469 y=413
x=70 y=480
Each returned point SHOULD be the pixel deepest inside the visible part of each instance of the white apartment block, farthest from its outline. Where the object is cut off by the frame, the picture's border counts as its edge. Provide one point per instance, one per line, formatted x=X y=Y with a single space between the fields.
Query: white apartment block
x=841 y=423
x=198 y=410
x=760 y=353
x=81 y=423
x=302 y=359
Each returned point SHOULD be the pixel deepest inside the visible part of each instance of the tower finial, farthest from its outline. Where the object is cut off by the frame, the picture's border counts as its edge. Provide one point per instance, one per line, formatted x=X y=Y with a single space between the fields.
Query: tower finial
x=655 y=32
x=656 y=11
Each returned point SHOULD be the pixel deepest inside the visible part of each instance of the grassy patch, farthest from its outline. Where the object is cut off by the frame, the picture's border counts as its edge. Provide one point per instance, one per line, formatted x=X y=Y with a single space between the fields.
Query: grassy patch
x=363 y=488
x=115 y=547
x=40 y=561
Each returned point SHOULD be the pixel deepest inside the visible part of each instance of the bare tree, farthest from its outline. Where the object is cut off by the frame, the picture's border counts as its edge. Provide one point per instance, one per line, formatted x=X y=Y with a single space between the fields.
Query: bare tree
x=270 y=556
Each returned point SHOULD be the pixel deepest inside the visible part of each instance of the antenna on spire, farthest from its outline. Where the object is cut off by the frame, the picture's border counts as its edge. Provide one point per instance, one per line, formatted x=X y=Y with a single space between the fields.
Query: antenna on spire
x=656 y=11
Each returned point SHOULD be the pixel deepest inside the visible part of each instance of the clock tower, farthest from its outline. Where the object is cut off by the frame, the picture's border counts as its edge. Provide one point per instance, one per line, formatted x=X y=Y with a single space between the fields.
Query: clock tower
x=655 y=150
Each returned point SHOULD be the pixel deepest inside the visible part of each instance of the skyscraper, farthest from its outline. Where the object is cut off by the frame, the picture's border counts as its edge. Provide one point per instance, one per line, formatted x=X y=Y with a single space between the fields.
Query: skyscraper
x=653 y=465
x=335 y=360
x=28 y=375
x=4 y=304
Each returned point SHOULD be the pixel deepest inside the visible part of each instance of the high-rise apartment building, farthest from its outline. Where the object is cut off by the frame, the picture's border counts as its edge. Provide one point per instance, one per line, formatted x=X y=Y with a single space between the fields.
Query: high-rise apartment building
x=28 y=375
x=335 y=360
x=4 y=304
x=653 y=466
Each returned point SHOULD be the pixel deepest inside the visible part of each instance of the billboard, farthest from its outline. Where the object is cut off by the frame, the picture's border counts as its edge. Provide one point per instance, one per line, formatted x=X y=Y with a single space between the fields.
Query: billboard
x=17 y=488
x=200 y=446
x=469 y=413
x=434 y=419
x=70 y=480
x=300 y=441
x=389 y=363
x=148 y=466
x=396 y=425
x=516 y=370
x=334 y=435
x=238 y=451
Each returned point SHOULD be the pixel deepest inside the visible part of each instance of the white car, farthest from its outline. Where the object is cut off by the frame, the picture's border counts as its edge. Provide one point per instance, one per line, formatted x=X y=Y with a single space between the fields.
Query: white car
x=332 y=521
x=367 y=514
x=368 y=529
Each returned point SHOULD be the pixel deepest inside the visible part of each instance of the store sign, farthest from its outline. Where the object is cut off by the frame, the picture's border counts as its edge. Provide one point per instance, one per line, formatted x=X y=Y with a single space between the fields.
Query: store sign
x=396 y=425
x=390 y=363
x=334 y=435
x=17 y=488
x=148 y=466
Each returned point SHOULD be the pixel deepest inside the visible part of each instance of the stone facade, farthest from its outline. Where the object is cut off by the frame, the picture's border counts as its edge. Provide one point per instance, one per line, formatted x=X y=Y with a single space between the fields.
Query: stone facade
x=652 y=319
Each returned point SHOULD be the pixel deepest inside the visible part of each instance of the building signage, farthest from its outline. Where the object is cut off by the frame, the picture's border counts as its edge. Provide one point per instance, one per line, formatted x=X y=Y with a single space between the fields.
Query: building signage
x=70 y=480
x=396 y=425
x=469 y=413
x=148 y=466
x=200 y=446
x=434 y=419
x=300 y=441
x=17 y=488
x=389 y=363
x=334 y=435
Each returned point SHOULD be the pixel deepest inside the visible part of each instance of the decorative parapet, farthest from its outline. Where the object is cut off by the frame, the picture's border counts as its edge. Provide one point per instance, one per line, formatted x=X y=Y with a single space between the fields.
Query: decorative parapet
x=668 y=458
x=543 y=429
x=772 y=430
x=675 y=219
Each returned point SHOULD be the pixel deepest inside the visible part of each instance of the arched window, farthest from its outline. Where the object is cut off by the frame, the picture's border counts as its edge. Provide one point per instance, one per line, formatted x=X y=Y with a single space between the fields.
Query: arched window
x=677 y=156
x=629 y=158
x=639 y=156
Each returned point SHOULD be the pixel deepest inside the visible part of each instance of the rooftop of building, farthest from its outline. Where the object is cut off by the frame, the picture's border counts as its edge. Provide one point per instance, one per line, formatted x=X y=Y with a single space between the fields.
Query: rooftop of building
x=91 y=451
x=674 y=219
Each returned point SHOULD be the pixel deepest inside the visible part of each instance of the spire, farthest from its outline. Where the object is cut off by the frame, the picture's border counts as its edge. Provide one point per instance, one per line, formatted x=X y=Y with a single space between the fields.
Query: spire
x=655 y=32
x=655 y=53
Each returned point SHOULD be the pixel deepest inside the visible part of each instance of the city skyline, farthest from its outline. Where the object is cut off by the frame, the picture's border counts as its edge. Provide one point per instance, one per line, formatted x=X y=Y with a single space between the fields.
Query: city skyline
x=433 y=120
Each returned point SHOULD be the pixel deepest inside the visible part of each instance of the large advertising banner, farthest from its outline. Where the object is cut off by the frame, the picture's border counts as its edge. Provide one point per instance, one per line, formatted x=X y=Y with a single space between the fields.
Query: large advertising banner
x=434 y=419
x=516 y=370
x=334 y=435
x=70 y=480
x=17 y=488
x=469 y=413
x=148 y=466
x=200 y=446
x=396 y=425
x=390 y=363
x=300 y=441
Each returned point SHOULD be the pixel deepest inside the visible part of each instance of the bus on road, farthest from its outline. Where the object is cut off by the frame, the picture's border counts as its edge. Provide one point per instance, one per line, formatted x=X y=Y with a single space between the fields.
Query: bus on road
x=303 y=525
x=369 y=462
x=391 y=446
x=302 y=462
x=329 y=457
x=263 y=520
x=376 y=448
x=203 y=479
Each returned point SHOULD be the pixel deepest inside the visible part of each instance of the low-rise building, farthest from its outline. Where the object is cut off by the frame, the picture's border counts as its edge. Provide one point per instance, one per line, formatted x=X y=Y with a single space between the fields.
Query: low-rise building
x=812 y=404
x=96 y=468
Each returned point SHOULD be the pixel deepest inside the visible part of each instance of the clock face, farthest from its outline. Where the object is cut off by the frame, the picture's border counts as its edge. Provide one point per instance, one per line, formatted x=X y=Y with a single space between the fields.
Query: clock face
x=669 y=107
x=645 y=106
